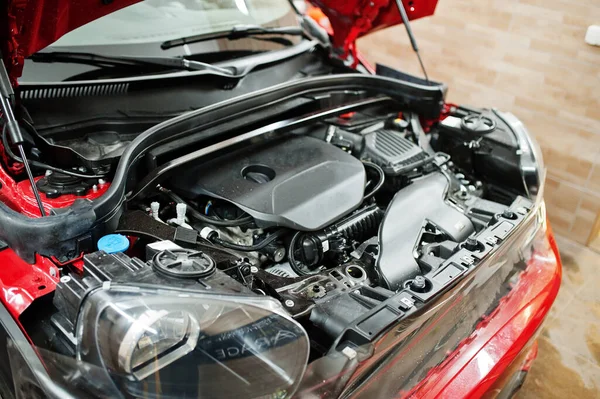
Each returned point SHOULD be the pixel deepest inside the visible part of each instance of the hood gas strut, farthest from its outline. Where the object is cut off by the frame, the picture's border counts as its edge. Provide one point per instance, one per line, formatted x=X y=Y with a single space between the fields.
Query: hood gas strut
x=14 y=130
x=411 y=36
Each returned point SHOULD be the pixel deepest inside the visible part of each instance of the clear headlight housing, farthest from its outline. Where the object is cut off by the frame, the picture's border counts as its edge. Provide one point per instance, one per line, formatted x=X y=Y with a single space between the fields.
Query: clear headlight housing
x=533 y=171
x=171 y=343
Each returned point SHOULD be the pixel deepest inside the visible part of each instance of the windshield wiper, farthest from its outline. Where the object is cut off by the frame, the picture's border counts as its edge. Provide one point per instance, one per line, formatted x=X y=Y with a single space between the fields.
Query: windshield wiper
x=237 y=32
x=168 y=63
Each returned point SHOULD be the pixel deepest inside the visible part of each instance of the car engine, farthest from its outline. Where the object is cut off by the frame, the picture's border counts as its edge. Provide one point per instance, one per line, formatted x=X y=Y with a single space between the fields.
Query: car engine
x=335 y=220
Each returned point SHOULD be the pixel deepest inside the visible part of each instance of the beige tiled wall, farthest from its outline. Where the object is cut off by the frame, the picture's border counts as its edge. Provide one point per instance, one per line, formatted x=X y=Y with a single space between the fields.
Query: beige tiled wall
x=527 y=57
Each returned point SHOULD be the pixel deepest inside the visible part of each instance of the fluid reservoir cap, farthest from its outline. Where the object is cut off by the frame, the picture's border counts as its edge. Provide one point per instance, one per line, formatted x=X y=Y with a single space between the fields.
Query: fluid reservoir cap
x=113 y=243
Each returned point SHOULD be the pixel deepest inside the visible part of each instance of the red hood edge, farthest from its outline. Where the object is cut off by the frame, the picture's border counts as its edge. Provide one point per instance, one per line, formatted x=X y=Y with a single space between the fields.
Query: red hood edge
x=30 y=25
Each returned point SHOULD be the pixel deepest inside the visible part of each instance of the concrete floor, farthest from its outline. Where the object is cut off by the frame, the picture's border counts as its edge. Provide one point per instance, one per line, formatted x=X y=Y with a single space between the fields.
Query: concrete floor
x=568 y=362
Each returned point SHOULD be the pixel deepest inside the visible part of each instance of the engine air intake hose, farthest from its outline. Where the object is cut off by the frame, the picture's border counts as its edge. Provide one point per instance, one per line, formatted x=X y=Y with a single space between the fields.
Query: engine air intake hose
x=358 y=226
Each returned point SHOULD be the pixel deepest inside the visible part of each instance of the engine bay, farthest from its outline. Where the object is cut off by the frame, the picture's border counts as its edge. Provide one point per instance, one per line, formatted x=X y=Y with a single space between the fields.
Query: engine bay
x=343 y=212
x=350 y=223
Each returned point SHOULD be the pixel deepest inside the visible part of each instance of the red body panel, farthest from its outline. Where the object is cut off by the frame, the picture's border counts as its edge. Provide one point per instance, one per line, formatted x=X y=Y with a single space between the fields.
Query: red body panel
x=473 y=368
x=352 y=19
x=22 y=283
x=28 y=26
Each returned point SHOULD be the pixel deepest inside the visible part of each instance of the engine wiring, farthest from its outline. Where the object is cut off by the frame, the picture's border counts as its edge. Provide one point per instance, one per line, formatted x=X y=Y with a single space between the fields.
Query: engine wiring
x=245 y=220
x=381 y=181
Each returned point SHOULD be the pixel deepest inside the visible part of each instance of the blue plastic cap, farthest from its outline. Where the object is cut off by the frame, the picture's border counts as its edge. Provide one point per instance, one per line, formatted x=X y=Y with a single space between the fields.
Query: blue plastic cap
x=113 y=243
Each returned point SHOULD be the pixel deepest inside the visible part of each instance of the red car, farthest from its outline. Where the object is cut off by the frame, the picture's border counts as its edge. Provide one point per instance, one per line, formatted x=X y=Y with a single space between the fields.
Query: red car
x=222 y=199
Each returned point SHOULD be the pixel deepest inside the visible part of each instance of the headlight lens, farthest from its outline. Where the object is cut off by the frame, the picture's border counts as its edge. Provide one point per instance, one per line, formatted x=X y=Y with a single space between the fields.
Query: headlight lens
x=156 y=339
x=532 y=166
x=179 y=343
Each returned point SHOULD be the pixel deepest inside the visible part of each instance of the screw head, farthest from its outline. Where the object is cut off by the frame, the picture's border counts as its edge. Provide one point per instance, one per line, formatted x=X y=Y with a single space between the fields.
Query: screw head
x=419 y=283
x=253 y=269
x=289 y=303
x=509 y=215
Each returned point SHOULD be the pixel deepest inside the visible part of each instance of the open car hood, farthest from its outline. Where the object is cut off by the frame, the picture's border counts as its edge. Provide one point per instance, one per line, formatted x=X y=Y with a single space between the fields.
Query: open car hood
x=28 y=26
x=351 y=19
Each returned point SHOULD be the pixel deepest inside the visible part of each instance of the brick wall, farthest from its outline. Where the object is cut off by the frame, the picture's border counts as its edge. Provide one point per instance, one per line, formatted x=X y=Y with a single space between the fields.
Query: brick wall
x=528 y=57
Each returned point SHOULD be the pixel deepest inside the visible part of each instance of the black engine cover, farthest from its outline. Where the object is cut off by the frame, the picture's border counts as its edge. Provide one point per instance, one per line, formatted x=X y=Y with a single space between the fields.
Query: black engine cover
x=298 y=182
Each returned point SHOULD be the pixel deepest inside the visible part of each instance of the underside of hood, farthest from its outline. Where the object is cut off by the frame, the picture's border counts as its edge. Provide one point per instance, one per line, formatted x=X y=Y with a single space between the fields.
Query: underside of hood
x=28 y=26
x=352 y=19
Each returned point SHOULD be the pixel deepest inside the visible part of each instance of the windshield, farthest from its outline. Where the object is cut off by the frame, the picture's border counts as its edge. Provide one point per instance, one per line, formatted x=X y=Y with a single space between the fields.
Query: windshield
x=139 y=29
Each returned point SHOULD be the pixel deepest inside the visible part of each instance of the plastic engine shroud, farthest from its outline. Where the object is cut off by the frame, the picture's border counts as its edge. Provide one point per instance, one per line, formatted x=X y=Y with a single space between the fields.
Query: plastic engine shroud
x=302 y=182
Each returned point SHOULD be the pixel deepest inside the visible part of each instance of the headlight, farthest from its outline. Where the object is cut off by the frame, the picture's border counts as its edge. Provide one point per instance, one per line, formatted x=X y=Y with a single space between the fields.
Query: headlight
x=156 y=339
x=532 y=167
x=171 y=343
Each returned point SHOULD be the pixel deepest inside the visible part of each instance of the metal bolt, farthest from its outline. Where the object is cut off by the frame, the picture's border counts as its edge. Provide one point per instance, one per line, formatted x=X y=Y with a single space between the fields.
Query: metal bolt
x=289 y=303
x=279 y=254
x=508 y=214
x=419 y=283
x=65 y=279
x=101 y=181
x=420 y=280
x=253 y=269
x=471 y=244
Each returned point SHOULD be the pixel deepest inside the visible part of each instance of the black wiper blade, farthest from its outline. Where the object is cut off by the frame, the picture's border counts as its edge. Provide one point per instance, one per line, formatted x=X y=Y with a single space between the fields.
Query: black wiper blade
x=237 y=32
x=167 y=63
